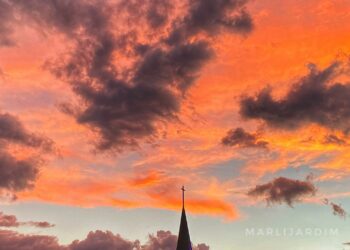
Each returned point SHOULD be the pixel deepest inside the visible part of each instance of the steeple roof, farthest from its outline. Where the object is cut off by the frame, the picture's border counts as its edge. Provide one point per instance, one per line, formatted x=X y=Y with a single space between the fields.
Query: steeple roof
x=184 y=241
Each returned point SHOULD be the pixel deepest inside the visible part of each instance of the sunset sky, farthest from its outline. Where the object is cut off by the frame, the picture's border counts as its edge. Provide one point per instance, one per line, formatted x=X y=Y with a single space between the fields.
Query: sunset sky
x=108 y=107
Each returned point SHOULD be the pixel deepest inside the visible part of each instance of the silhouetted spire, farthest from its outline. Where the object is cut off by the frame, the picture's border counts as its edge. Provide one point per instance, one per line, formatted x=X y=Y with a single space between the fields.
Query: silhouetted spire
x=183 y=241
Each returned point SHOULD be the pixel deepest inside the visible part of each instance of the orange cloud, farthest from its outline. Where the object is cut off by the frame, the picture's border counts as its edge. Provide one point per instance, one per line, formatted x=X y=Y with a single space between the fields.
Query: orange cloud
x=150 y=178
x=204 y=206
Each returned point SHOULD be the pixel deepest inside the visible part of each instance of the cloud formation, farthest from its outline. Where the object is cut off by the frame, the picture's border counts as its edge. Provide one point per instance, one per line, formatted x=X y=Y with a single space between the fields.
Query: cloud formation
x=12 y=130
x=315 y=98
x=167 y=240
x=240 y=137
x=97 y=240
x=8 y=220
x=104 y=240
x=11 y=221
x=39 y=224
x=211 y=17
x=11 y=240
x=124 y=104
x=337 y=209
x=15 y=174
x=284 y=190
x=333 y=139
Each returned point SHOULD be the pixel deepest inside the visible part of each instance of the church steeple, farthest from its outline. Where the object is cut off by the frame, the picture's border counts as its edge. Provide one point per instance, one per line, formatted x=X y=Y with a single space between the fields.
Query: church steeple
x=183 y=241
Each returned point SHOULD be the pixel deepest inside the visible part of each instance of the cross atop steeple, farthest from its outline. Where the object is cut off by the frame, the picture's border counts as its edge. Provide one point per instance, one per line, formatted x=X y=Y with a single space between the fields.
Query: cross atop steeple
x=183 y=196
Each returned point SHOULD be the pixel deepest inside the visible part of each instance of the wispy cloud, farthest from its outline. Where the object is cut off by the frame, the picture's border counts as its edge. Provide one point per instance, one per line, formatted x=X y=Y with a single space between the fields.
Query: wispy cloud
x=11 y=221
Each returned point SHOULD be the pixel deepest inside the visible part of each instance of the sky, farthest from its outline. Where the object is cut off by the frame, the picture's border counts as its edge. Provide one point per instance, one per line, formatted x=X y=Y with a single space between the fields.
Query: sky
x=108 y=107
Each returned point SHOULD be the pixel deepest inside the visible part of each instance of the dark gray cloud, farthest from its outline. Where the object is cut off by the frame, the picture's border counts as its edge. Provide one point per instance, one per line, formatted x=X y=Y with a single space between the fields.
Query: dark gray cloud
x=124 y=105
x=16 y=175
x=158 y=13
x=211 y=17
x=12 y=130
x=283 y=190
x=97 y=240
x=240 y=137
x=65 y=16
x=122 y=113
x=315 y=98
x=337 y=209
x=125 y=111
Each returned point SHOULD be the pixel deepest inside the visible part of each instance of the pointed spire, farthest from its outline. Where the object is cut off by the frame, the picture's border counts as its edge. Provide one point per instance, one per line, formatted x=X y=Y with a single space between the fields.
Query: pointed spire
x=183 y=241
